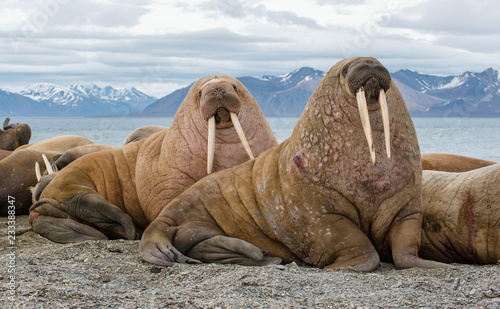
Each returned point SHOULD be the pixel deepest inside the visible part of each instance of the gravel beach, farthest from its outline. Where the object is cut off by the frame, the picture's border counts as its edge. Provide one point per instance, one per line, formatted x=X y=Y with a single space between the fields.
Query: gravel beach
x=110 y=274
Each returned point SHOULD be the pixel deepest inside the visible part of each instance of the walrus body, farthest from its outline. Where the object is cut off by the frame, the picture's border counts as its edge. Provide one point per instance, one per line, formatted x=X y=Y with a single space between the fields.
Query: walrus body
x=452 y=163
x=14 y=135
x=18 y=169
x=321 y=197
x=109 y=193
x=461 y=221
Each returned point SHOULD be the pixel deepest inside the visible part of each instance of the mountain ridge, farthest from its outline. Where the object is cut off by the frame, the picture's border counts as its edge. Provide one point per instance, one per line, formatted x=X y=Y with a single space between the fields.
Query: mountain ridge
x=471 y=94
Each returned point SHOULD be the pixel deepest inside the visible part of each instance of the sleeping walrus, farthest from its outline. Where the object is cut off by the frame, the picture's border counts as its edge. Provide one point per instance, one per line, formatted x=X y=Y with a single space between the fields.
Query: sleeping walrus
x=452 y=163
x=343 y=191
x=106 y=194
x=14 y=135
x=461 y=220
x=18 y=169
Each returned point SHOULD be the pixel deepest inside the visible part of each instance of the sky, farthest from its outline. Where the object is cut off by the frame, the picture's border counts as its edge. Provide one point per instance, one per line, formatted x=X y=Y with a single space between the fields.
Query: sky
x=161 y=46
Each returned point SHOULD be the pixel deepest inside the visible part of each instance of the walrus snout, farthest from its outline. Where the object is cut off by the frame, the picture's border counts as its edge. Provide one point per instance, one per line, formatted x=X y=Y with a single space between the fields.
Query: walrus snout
x=220 y=103
x=370 y=74
x=222 y=115
x=368 y=79
x=216 y=95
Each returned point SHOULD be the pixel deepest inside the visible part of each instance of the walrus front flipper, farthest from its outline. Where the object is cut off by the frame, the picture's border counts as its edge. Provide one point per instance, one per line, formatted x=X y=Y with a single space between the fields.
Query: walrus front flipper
x=95 y=210
x=405 y=248
x=56 y=225
x=229 y=250
x=156 y=245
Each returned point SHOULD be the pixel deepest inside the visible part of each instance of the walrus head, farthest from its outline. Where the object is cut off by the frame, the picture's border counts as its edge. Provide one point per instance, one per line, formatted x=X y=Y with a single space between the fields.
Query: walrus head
x=368 y=80
x=14 y=135
x=42 y=181
x=220 y=106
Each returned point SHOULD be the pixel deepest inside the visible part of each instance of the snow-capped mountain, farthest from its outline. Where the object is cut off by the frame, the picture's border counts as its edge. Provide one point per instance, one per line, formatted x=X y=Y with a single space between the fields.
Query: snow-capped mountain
x=278 y=96
x=80 y=100
x=466 y=95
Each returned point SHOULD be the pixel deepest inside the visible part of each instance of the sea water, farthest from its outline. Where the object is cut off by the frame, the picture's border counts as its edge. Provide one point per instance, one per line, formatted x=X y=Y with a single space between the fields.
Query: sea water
x=473 y=137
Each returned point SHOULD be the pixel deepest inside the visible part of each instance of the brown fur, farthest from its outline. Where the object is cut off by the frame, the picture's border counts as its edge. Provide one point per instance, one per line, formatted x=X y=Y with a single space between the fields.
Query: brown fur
x=451 y=163
x=316 y=198
x=142 y=177
x=461 y=220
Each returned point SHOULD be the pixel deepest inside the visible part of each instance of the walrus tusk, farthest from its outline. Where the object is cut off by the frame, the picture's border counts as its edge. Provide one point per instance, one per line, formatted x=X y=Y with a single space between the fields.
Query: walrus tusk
x=6 y=123
x=365 y=120
x=37 y=172
x=50 y=170
x=241 y=134
x=385 y=119
x=211 y=144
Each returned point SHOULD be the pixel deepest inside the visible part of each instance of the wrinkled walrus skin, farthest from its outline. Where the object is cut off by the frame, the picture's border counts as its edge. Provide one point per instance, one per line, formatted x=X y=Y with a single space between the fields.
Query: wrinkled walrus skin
x=461 y=222
x=316 y=198
x=445 y=162
x=109 y=194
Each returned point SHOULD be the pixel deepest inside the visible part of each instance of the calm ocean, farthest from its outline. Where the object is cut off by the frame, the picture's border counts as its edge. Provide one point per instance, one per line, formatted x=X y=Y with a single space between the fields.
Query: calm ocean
x=474 y=137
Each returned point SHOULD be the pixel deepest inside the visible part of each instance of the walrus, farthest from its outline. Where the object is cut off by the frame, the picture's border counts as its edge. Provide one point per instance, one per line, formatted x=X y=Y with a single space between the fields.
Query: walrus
x=343 y=191
x=142 y=132
x=461 y=218
x=117 y=193
x=452 y=163
x=14 y=135
x=18 y=169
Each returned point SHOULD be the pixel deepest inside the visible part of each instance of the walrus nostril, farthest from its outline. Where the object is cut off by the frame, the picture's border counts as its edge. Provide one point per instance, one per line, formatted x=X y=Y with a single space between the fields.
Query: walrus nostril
x=219 y=91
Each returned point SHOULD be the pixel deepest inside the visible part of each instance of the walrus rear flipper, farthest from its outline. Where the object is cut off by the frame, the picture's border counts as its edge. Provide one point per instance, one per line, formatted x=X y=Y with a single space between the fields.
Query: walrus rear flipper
x=56 y=225
x=79 y=218
x=229 y=250
x=95 y=210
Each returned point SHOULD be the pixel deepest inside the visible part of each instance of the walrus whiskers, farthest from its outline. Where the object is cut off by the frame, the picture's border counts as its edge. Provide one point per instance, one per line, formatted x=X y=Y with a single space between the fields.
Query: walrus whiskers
x=211 y=144
x=385 y=119
x=365 y=120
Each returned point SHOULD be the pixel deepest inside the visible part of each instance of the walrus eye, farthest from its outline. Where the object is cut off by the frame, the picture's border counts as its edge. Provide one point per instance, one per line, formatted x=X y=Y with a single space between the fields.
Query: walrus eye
x=199 y=93
x=235 y=89
x=344 y=70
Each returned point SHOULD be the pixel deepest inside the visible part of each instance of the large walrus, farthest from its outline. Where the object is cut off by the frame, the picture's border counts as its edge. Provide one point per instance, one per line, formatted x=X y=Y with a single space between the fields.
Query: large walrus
x=452 y=163
x=14 y=135
x=461 y=221
x=323 y=197
x=17 y=171
x=105 y=189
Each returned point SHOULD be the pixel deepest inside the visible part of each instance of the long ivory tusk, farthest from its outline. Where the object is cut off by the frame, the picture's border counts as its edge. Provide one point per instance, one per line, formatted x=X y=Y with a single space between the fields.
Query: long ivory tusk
x=385 y=119
x=47 y=165
x=211 y=144
x=241 y=134
x=365 y=120
x=37 y=172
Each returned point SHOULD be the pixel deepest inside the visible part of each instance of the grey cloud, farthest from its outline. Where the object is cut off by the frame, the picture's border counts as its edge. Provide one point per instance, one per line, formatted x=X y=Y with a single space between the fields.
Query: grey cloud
x=444 y=16
x=104 y=14
x=238 y=9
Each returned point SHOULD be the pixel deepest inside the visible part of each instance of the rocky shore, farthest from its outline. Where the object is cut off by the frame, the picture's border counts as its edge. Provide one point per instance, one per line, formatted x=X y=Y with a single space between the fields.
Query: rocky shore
x=110 y=274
